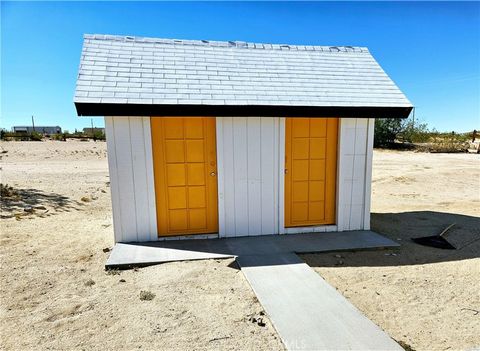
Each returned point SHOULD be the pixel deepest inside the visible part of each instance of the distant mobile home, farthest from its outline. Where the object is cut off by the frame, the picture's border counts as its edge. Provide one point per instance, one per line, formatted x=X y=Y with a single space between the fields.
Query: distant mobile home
x=225 y=139
x=38 y=129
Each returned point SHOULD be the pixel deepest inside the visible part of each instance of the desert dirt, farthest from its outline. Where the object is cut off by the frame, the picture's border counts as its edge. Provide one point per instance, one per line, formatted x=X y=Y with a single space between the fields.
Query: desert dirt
x=426 y=298
x=55 y=293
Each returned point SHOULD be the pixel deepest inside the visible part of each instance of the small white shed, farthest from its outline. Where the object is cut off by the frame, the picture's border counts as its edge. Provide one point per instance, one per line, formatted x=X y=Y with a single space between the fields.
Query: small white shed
x=225 y=139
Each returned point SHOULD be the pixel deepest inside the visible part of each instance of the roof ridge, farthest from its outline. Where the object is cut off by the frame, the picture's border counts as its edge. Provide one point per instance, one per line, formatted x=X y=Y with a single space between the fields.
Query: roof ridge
x=231 y=44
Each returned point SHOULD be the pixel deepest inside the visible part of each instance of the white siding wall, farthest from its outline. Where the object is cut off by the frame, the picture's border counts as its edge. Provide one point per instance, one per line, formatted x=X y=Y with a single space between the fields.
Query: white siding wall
x=354 y=173
x=248 y=155
x=131 y=178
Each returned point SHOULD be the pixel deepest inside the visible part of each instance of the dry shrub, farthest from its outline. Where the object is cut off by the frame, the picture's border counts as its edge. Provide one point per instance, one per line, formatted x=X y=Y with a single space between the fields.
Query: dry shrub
x=7 y=191
x=90 y=282
x=146 y=295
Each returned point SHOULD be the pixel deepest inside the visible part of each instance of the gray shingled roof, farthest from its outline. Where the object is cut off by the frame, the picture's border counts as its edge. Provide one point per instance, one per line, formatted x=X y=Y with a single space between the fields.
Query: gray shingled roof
x=132 y=70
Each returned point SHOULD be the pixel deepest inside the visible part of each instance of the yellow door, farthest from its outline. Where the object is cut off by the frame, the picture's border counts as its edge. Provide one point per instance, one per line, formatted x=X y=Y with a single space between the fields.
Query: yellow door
x=310 y=171
x=185 y=166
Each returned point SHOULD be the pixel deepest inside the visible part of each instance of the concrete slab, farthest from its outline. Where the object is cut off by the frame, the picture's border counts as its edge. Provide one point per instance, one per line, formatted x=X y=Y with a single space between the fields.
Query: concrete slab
x=125 y=255
x=306 y=311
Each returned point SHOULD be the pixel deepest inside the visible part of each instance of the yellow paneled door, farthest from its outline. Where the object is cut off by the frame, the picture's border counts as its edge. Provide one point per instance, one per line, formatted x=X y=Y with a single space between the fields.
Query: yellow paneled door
x=310 y=171
x=185 y=167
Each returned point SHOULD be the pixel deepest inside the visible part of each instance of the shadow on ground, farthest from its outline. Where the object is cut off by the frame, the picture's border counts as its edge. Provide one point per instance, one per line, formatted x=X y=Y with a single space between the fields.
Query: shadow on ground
x=16 y=201
x=401 y=227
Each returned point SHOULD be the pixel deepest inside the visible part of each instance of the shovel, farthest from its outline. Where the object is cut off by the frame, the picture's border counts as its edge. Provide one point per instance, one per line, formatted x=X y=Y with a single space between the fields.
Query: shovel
x=437 y=241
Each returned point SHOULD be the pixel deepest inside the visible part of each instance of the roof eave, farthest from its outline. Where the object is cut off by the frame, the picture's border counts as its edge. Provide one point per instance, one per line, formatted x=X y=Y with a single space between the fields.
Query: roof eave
x=106 y=109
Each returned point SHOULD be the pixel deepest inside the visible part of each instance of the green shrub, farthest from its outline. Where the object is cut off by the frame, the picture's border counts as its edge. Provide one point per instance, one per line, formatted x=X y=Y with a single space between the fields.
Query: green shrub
x=98 y=135
x=415 y=132
x=57 y=136
x=386 y=131
x=36 y=136
x=390 y=130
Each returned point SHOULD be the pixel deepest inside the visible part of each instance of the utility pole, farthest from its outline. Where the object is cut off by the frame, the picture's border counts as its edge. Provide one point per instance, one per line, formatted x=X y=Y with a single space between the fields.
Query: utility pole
x=33 y=124
x=93 y=133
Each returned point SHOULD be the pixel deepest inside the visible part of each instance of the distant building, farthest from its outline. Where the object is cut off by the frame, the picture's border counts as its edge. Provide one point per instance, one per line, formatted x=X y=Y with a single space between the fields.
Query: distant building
x=95 y=130
x=38 y=129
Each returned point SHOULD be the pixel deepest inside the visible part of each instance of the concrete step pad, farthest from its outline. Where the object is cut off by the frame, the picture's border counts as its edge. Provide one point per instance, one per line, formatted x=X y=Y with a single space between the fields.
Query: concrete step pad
x=125 y=255
x=306 y=311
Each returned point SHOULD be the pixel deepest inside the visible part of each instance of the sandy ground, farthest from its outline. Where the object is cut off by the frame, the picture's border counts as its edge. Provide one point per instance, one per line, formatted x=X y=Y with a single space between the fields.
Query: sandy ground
x=426 y=298
x=56 y=295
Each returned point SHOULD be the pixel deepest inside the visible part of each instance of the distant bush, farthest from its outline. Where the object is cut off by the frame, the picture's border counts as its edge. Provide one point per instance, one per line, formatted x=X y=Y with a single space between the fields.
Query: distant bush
x=415 y=132
x=452 y=136
x=391 y=130
x=449 y=142
x=36 y=136
x=386 y=131
x=60 y=137
x=411 y=134
x=98 y=135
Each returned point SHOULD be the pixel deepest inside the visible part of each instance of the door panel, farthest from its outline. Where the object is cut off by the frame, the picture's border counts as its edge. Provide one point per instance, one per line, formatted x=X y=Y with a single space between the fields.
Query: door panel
x=185 y=166
x=310 y=171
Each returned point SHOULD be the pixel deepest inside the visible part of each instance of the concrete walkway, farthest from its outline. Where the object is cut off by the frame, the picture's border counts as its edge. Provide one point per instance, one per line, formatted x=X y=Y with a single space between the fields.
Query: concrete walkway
x=308 y=313
x=144 y=254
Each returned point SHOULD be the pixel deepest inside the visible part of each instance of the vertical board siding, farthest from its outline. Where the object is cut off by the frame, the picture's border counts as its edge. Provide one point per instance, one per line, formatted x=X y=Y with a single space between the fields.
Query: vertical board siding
x=227 y=173
x=269 y=165
x=281 y=178
x=240 y=176
x=150 y=184
x=368 y=173
x=125 y=179
x=131 y=177
x=220 y=177
x=341 y=191
x=254 y=175
x=137 y=145
x=354 y=166
x=113 y=176
x=248 y=181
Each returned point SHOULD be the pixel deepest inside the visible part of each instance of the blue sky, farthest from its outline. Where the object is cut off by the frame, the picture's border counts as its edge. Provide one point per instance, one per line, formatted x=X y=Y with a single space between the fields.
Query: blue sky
x=430 y=49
